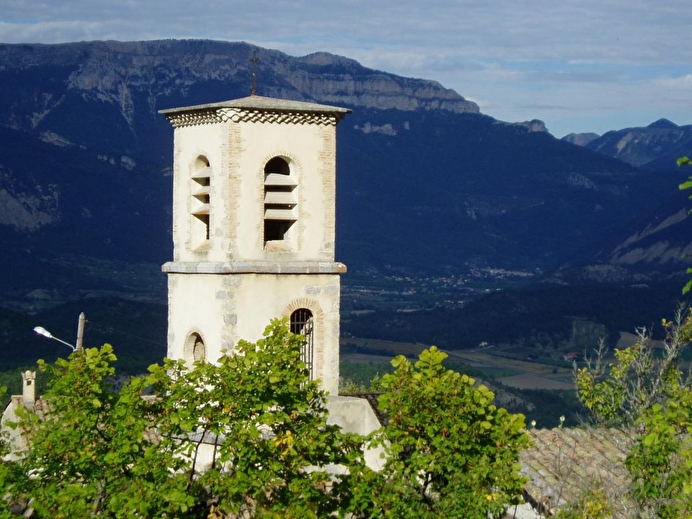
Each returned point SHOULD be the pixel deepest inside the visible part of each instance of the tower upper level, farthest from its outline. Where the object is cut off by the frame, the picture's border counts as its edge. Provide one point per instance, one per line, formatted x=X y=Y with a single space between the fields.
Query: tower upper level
x=254 y=181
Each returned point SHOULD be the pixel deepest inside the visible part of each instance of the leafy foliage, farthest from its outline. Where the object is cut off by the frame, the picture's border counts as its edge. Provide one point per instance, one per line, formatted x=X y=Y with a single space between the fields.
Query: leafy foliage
x=650 y=395
x=261 y=421
x=4 y=449
x=592 y=503
x=449 y=451
x=686 y=185
x=248 y=437
x=361 y=377
x=88 y=443
x=270 y=424
x=619 y=392
x=661 y=459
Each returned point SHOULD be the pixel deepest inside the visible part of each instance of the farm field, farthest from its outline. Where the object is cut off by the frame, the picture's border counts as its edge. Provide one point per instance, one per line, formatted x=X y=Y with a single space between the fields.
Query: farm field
x=511 y=372
x=528 y=375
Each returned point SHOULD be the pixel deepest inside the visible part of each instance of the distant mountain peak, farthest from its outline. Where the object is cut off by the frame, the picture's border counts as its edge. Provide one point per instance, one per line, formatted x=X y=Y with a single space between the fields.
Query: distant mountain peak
x=655 y=147
x=664 y=124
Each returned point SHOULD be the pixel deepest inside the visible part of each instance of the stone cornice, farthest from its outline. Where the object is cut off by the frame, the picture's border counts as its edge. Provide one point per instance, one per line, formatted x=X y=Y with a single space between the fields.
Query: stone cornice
x=256 y=109
x=254 y=267
x=222 y=115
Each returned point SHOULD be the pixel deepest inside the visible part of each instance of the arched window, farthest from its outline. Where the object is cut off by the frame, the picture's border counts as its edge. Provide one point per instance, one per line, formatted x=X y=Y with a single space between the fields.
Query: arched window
x=279 y=200
x=195 y=350
x=302 y=323
x=200 y=186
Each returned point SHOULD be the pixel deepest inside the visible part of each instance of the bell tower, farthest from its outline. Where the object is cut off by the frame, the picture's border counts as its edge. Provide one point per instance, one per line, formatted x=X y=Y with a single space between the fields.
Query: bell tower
x=254 y=185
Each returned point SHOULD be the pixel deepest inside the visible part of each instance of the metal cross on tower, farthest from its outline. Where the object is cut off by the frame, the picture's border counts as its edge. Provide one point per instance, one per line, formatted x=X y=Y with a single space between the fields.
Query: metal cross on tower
x=254 y=61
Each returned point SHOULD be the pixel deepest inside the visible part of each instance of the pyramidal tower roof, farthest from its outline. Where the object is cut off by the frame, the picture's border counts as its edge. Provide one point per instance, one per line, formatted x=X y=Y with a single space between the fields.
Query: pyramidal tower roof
x=260 y=103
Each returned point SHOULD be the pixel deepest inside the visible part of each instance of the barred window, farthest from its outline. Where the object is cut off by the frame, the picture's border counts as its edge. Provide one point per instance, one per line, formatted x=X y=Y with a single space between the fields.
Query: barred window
x=302 y=323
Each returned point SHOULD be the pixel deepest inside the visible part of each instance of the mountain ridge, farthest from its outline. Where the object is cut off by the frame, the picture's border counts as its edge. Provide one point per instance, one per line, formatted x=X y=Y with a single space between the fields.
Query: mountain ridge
x=655 y=147
x=427 y=183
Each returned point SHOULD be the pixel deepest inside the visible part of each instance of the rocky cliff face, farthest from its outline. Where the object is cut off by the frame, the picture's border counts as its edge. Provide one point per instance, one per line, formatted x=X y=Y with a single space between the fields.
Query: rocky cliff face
x=580 y=139
x=136 y=77
x=26 y=212
x=357 y=86
x=115 y=89
x=534 y=125
x=655 y=243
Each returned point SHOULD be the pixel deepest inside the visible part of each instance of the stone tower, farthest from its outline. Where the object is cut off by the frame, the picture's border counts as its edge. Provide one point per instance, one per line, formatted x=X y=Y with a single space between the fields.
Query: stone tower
x=254 y=228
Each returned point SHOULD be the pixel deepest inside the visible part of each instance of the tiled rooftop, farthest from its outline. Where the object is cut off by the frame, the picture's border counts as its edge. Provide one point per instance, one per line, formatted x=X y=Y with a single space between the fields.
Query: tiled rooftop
x=565 y=464
x=264 y=103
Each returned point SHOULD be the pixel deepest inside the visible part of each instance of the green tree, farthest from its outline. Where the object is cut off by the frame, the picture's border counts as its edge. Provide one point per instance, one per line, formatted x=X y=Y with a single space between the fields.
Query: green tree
x=274 y=443
x=248 y=436
x=97 y=452
x=450 y=452
x=647 y=393
x=90 y=444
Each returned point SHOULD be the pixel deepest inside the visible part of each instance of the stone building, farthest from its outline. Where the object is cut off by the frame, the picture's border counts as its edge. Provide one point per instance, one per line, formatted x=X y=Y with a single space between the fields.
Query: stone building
x=254 y=221
x=16 y=438
x=254 y=187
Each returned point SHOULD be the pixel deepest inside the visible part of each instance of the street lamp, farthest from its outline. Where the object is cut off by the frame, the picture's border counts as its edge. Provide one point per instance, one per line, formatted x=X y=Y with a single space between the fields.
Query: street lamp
x=80 y=334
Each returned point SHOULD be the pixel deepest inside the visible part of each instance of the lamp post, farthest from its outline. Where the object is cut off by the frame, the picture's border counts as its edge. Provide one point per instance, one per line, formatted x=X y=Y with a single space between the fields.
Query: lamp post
x=80 y=334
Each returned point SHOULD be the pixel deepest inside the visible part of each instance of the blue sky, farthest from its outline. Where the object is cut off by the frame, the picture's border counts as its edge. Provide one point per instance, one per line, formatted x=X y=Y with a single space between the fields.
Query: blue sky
x=578 y=65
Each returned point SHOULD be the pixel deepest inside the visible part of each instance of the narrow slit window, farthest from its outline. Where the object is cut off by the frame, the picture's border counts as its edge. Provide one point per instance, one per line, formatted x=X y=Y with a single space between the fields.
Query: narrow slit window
x=195 y=350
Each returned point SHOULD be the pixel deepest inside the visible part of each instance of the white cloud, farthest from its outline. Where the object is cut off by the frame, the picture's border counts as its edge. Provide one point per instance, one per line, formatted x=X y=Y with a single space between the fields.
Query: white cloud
x=676 y=83
x=570 y=62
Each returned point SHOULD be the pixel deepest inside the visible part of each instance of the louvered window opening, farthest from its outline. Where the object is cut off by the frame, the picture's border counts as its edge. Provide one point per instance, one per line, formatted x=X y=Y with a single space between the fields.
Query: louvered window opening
x=302 y=323
x=279 y=200
x=201 y=186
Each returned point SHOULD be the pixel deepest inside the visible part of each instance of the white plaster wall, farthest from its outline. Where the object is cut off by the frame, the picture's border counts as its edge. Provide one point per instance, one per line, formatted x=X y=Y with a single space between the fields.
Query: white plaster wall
x=354 y=415
x=193 y=307
x=13 y=435
x=226 y=308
